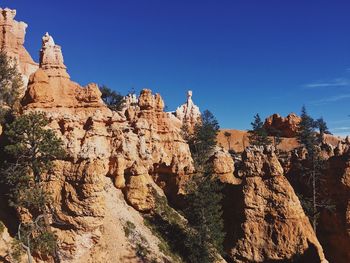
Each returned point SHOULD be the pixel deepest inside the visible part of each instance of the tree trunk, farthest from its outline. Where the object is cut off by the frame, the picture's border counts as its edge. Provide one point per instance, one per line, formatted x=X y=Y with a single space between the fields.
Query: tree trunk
x=30 y=260
x=314 y=197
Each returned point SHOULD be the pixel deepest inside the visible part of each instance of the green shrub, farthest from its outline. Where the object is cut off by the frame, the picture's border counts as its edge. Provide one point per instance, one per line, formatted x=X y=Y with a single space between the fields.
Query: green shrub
x=129 y=228
x=169 y=227
x=142 y=251
x=16 y=251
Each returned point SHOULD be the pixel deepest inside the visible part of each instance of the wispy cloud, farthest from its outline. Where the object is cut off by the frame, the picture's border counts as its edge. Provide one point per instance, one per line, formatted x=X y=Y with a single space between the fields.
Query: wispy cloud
x=331 y=99
x=343 y=121
x=339 y=82
x=341 y=129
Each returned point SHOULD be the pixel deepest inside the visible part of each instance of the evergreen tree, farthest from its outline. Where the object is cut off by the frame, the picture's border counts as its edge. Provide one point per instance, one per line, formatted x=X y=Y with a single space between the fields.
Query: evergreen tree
x=277 y=138
x=204 y=211
x=10 y=84
x=31 y=149
x=113 y=99
x=204 y=137
x=306 y=132
x=186 y=133
x=258 y=135
x=228 y=138
x=307 y=138
x=322 y=128
x=204 y=214
x=314 y=165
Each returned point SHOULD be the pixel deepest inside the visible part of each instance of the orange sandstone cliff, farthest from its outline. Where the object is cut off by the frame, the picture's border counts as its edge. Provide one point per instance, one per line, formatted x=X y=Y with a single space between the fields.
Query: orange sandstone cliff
x=117 y=161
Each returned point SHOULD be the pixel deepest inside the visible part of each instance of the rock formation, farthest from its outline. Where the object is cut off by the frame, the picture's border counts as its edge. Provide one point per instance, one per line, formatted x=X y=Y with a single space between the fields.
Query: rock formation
x=12 y=40
x=188 y=113
x=274 y=227
x=286 y=127
x=334 y=224
x=223 y=166
x=50 y=86
x=130 y=150
x=101 y=143
x=116 y=161
x=51 y=59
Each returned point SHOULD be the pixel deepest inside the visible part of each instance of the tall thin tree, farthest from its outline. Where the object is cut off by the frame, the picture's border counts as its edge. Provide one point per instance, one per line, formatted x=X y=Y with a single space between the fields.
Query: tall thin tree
x=204 y=210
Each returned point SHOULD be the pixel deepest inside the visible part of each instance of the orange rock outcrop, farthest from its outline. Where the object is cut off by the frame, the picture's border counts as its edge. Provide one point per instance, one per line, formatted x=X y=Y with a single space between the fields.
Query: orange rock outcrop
x=286 y=127
x=12 y=40
x=131 y=147
x=274 y=227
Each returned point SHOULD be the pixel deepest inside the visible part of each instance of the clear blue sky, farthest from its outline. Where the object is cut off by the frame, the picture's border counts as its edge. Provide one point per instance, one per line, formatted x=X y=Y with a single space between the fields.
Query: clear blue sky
x=239 y=57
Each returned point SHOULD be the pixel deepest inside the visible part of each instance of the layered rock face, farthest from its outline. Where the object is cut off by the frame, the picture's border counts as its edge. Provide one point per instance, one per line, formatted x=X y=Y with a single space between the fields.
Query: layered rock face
x=100 y=143
x=287 y=127
x=51 y=58
x=274 y=227
x=334 y=225
x=188 y=113
x=129 y=147
x=12 y=40
x=50 y=86
x=223 y=167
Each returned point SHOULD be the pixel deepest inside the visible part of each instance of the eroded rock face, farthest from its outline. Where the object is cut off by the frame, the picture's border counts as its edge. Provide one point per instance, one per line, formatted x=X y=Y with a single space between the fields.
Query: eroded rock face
x=334 y=225
x=274 y=226
x=115 y=158
x=51 y=87
x=51 y=58
x=12 y=34
x=223 y=167
x=127 y=146
x=101 y=143
x=188 y=113
x=287 y=127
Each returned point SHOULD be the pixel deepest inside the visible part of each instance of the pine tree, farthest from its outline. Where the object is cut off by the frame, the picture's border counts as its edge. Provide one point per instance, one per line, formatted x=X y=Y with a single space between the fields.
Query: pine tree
x=204 y=137
x=204 y=211
x=314 y=165
x=31 y=149
x=228 y=138
x=204 y=214
x=323 y=129
x=10 y=84
x=113 y=99
x=185 y=132
x=258 y=135
x=306 y=132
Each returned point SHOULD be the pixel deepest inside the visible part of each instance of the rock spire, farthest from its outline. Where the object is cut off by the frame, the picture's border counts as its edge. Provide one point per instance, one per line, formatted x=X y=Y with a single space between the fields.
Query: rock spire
x=51 y=58
x=12 y=35
x=188 y=113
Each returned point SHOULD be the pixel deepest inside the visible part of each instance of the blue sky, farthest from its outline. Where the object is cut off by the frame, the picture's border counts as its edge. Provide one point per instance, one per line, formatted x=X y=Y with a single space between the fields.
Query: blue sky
x=240 y=57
